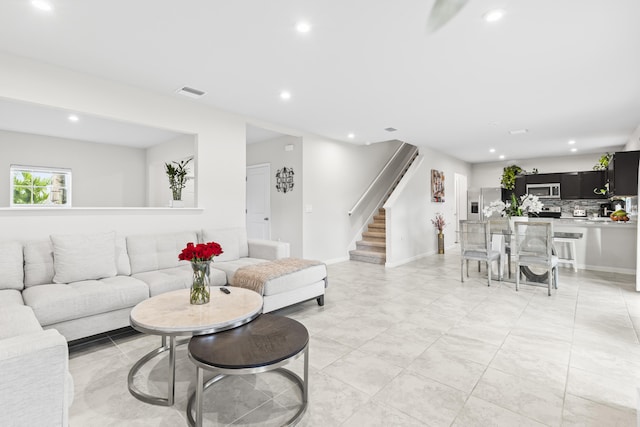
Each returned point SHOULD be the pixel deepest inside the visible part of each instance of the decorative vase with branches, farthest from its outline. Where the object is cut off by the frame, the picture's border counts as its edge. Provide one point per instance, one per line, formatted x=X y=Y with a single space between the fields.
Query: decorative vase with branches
x=177 y=174
x=439 y=223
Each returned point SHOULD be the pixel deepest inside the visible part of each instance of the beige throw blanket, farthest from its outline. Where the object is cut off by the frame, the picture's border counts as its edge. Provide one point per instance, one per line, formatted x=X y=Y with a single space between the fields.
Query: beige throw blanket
x=255 y=276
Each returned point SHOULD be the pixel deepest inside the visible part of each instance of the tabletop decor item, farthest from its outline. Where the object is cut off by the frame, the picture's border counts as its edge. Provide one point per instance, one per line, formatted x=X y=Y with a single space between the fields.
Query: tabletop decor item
x=200 y=256
x=523 y=206
x=177 y=174
x=439 y=223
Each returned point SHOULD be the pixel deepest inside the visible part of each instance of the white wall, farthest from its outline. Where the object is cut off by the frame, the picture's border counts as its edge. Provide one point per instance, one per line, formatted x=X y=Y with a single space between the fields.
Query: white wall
x=180 y=148
x=102 y=174
x=489 y=174
x=335 y=176
x=634 y=141
x=410 y=233
x=286 y=208
x=220 y=150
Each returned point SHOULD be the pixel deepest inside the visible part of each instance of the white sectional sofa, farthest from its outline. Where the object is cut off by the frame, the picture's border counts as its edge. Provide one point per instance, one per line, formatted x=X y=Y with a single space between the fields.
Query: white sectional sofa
x=69 y=287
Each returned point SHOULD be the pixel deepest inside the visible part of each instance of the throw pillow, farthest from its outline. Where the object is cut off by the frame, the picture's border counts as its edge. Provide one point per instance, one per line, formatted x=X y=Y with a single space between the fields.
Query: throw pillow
x=83 y=257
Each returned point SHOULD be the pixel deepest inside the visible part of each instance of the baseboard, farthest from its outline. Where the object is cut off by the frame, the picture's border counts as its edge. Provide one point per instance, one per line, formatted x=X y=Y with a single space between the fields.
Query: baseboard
x=605 y=269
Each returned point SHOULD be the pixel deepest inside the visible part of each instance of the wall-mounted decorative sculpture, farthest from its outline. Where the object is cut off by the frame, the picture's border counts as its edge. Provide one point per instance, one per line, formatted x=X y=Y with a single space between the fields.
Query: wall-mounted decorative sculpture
x=284 y=179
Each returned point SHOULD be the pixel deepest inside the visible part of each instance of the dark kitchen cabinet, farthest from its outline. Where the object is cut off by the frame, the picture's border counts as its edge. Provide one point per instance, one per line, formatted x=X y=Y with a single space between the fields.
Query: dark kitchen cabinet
x=570 y=185
x=521 y=186
x=590 y=181
x=623 y=173
x=544 y=178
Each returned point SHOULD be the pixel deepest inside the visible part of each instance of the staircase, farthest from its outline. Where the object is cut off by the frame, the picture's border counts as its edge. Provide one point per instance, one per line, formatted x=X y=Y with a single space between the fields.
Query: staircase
x=373 y=246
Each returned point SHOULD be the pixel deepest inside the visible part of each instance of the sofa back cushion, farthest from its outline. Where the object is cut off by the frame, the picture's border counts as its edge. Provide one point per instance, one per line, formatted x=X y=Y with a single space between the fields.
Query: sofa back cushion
x=79 y=257
x=232 y=240
x=38 y=263
x=157 y=251
x=11 y=266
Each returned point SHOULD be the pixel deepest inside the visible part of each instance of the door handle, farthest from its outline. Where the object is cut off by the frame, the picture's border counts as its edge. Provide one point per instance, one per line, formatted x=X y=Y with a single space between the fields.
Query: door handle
x=266 y=219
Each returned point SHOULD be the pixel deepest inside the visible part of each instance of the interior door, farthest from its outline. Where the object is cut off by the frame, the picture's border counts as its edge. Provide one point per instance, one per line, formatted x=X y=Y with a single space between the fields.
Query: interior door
x=259 y=201
x=461 y=201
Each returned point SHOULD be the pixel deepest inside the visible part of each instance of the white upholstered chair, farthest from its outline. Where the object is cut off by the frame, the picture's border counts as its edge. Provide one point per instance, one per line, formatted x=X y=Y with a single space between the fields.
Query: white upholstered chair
x=475 y=245
x=533 y=242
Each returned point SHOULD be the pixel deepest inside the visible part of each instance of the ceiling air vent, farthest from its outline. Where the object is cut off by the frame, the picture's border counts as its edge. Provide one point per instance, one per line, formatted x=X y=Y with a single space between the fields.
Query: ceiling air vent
x=390 y=129
x=190 y=92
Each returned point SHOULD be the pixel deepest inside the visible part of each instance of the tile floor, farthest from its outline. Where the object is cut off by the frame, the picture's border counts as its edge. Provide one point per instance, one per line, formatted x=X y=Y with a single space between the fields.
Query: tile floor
x=411 y=346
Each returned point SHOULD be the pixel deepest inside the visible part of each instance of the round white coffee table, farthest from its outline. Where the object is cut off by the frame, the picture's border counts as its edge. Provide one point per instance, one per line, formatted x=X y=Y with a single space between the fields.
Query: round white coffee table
x=171 y=314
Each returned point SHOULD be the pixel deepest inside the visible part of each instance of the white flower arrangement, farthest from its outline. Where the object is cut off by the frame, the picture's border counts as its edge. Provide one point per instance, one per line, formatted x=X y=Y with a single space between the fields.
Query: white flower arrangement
x=527 y=204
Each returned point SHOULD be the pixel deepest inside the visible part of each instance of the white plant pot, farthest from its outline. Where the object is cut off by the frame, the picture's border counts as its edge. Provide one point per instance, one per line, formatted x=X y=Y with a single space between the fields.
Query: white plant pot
x=176 y=203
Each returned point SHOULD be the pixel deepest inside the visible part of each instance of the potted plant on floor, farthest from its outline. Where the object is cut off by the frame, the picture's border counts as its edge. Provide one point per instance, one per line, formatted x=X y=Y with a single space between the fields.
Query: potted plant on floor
x=439 y=223
x=177 y=174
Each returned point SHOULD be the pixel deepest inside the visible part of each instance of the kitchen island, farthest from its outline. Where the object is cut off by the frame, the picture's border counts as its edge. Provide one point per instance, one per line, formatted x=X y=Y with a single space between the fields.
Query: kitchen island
x=605 y=245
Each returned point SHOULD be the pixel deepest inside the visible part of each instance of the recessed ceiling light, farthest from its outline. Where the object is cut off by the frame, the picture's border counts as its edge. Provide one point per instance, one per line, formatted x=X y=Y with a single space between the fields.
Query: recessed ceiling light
x=351 y=136
x=73 y=118
x=573 y=150
x=42 y=5
x=303 y=27
x=390 y=129
x=518 y=131
x=501 y=156
x=572 y=142
x=494 y=15
x=285 y=95
x=492 y=150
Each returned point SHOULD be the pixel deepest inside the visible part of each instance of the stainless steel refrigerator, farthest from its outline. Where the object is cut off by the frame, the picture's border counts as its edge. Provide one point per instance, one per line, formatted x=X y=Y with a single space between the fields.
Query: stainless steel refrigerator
x=478 y=199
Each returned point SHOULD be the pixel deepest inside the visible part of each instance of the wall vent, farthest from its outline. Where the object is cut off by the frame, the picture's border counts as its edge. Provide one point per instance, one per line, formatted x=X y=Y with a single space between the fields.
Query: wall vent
x=190 y=92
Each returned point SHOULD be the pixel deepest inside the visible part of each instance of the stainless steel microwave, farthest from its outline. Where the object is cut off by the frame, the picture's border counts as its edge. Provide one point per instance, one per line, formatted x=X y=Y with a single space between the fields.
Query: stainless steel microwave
x=544 y=191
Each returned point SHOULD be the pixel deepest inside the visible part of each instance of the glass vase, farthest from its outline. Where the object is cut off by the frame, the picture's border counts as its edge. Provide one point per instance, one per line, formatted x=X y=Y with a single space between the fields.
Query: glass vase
x=200 y=289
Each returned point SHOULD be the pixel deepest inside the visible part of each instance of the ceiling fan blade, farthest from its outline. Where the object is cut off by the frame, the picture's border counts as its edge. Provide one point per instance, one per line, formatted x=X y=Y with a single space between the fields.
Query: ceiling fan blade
x=442 y=12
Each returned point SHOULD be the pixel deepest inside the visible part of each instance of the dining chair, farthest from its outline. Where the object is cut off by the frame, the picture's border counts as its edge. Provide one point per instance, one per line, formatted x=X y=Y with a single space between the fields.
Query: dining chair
x=475 y=245
x=533 y=242
x=502 y=227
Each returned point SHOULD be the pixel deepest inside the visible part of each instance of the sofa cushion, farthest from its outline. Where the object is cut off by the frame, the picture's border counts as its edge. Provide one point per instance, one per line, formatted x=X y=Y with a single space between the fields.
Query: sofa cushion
x=38 y=263
x=17 y=320
x=157 y=251
x=55 y=303
x=11 y=266
x=170 y=279
x=122 y=258
x=81 y=257
x=10 y=297
x=296 y=280
x=230 y=267
x=232 y=240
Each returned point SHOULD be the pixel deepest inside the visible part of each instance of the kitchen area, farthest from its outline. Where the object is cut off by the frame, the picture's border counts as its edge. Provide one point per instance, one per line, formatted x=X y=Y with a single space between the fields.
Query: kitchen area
x=599 y=205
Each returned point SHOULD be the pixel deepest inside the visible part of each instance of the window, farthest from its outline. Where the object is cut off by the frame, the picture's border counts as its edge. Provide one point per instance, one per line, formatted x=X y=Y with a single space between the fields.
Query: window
x=39 y=186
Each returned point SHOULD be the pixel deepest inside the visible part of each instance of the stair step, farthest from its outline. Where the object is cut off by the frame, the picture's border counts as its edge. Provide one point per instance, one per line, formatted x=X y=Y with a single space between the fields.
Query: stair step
x=381 y=212
x=368 y=245
x=377 y=226
x=374 y=235
x=367 y=256
x=382 y=218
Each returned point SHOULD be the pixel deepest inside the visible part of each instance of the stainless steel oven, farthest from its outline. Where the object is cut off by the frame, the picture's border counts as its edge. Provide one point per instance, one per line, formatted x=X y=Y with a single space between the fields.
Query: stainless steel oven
x=544 y=191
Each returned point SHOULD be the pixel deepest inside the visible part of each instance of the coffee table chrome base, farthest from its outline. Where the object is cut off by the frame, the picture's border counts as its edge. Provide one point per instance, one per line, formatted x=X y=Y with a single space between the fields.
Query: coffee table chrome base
x=148 y=398
x=196 y=396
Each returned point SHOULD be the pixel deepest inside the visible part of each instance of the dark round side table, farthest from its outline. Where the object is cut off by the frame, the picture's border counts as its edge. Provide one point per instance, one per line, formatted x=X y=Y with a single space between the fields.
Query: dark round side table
x=266 y=344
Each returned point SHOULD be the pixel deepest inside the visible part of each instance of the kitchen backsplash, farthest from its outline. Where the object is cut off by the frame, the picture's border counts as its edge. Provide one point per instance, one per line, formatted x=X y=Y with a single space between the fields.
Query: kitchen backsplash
x=591 y=206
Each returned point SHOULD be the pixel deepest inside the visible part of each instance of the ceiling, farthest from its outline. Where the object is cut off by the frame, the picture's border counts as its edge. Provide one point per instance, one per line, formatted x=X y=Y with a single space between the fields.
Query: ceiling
x=563 y=70
x=41 y=120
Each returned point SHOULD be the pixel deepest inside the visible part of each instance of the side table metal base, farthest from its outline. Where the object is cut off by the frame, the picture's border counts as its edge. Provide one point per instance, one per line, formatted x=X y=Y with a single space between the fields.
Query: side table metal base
x=148 y=398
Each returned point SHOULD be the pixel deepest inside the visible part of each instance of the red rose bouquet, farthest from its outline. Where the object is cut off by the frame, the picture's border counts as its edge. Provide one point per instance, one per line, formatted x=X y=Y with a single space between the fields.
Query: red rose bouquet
x=200 y=256
x=200 y=252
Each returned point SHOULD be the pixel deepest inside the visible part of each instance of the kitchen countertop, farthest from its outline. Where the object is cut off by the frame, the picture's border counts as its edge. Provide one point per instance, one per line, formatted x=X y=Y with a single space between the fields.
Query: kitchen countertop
x=594 y=222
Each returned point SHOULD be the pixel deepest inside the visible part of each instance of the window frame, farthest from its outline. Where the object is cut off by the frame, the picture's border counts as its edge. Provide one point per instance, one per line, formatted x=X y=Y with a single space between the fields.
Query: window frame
x=41 y=169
